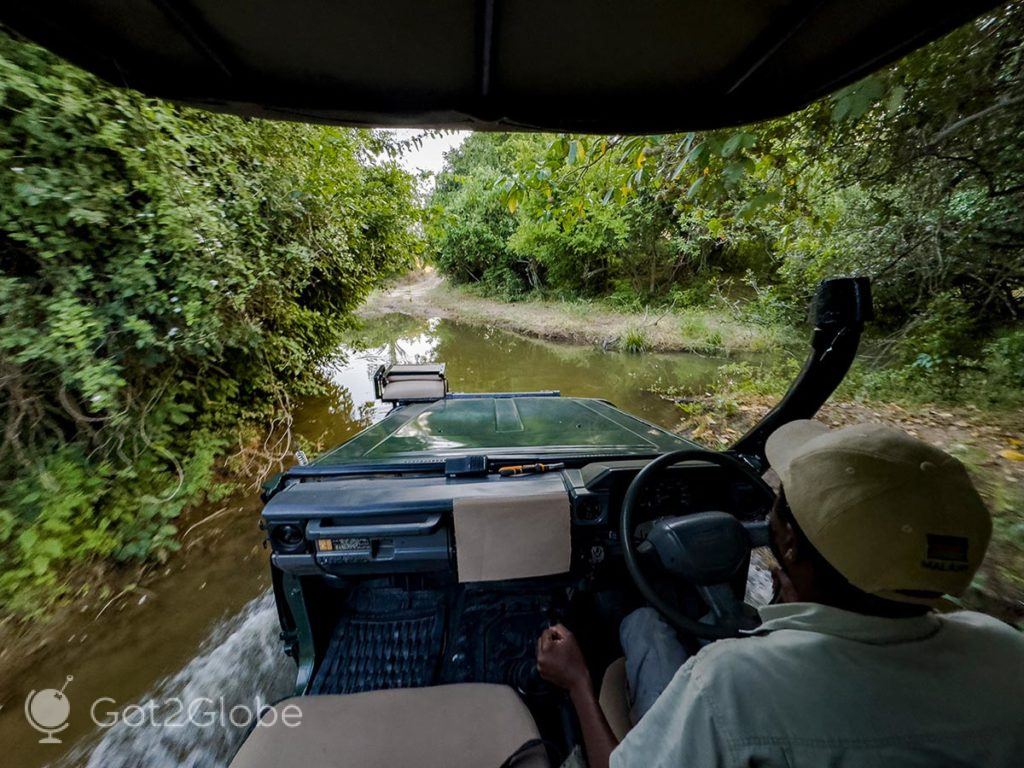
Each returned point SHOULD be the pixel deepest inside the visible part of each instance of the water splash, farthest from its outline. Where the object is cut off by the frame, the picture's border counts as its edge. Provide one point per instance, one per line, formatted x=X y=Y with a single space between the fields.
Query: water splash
x=240 y=663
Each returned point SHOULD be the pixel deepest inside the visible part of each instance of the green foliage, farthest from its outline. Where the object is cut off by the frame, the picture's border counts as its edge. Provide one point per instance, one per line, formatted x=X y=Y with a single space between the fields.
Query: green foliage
x=470 y=236
x=564 y=234
x=635 y=341
x=1004 y=360
x=698 y=293
x=693 y=326
x=940 y=344
x=713 y=340
x=624 y=298
x=768 y=307
x=939 y=358
x=910 y=176
x=165 y=273
x=770 y=378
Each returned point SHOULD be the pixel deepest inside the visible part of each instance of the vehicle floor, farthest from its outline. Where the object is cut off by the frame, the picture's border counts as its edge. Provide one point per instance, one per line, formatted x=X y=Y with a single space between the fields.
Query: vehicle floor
x=391 y=637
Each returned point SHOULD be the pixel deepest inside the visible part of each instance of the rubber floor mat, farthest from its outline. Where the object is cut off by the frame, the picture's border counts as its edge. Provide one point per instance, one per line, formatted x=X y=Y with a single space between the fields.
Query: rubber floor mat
x=391 y=639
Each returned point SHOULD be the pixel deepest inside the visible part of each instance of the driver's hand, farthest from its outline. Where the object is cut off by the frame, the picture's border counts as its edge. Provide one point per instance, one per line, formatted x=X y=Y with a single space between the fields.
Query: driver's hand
x=560 y=660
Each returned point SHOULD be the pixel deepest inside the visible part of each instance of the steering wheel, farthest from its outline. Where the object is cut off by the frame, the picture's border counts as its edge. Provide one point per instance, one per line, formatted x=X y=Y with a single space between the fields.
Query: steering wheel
x=707 y=549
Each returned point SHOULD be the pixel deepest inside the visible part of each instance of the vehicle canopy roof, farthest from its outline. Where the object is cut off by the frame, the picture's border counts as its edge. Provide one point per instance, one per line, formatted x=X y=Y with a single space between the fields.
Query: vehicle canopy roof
x=643 y=66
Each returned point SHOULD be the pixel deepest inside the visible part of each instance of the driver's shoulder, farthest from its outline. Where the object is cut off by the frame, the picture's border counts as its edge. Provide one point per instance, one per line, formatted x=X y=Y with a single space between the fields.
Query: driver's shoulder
x=733 y=662
x=722 y=677
x=976 y=624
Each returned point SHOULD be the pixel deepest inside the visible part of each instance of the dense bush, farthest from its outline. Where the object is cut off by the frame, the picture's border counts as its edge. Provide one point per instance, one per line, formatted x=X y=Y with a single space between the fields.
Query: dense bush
x=911 y=176
x=164 y=275
x=471 y=238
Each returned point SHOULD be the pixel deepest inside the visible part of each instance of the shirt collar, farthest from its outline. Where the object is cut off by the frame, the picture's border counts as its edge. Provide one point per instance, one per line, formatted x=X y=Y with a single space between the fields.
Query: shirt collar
x=826 y=620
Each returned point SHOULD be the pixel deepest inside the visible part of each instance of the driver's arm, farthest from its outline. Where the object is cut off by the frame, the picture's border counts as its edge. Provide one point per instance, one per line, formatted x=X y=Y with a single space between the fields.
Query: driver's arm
x=560 y=661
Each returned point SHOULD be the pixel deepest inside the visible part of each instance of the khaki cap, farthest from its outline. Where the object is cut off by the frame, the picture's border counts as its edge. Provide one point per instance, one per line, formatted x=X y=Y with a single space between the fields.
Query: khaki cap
x=898 y=518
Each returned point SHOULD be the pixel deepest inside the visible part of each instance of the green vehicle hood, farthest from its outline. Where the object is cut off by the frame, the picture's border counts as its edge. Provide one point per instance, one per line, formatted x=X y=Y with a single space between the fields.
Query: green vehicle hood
x=528 y=426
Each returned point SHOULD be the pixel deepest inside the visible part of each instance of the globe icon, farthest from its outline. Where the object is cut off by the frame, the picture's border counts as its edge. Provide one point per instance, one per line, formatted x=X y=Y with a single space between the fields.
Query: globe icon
x=47 y=711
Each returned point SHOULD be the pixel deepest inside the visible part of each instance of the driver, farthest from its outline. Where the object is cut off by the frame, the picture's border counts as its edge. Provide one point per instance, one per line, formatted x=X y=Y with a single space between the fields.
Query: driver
x=852 y=666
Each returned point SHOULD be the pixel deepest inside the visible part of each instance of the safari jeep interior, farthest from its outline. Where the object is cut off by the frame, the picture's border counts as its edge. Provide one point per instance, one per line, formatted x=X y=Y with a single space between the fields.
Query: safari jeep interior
x=415 y=565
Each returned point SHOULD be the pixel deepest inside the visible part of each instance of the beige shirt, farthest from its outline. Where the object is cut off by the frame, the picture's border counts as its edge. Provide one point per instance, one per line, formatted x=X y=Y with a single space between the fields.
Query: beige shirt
x=817 y=686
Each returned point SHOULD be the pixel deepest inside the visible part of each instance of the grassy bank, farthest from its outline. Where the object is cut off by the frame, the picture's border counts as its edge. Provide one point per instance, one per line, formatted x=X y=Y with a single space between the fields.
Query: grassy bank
x=580 y=321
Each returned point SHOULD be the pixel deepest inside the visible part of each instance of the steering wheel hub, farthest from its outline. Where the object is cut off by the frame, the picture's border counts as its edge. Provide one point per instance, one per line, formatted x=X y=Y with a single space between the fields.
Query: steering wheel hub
x=710 y=550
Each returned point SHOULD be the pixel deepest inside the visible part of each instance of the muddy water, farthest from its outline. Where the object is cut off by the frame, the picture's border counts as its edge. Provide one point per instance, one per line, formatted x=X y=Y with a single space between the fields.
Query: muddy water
x=164 y=675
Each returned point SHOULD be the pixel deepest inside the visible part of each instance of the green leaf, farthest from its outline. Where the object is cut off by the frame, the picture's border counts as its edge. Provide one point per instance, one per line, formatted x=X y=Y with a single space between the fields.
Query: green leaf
x=892 y=104
x=697 y=154
x=738 y=141
x=734 y=172
x=855 y=100
x=27 y=539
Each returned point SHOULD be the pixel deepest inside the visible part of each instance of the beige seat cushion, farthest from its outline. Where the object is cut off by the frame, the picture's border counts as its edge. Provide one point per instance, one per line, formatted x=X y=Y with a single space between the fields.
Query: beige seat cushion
x=614 y=698
x=473 y=725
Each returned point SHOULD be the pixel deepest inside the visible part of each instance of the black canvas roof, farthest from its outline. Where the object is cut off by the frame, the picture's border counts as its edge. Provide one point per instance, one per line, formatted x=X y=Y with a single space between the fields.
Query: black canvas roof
x=642 y=66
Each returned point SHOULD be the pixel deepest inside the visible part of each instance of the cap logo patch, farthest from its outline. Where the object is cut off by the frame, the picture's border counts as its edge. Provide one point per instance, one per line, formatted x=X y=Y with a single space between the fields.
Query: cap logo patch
x=946 y=553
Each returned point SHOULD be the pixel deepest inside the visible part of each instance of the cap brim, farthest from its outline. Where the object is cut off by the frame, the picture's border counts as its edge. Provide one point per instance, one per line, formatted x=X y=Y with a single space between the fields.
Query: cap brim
x=788 y=441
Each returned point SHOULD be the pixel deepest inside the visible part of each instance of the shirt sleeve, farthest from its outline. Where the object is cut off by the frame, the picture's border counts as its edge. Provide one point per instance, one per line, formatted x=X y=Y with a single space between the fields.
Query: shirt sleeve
x=678 y=731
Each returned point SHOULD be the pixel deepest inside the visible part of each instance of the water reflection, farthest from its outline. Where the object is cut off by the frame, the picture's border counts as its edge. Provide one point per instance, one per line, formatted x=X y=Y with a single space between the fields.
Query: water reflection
x=492 y=360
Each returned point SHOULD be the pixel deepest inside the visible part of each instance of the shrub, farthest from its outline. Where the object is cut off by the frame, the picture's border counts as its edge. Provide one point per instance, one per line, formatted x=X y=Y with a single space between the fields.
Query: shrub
x=1004 y=360
x=693 y=327
x=635 y=341
x=165 y=273
x=469 y=239
x=625 y=299
x=713 y=340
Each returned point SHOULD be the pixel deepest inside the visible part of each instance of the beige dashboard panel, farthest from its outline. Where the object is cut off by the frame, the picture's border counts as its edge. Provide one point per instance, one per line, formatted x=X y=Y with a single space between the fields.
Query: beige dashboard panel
x=512 y=537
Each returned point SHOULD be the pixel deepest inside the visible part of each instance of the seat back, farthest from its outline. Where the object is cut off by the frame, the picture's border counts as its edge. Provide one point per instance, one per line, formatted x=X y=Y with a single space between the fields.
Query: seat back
x=470 y=725
x=614 y=698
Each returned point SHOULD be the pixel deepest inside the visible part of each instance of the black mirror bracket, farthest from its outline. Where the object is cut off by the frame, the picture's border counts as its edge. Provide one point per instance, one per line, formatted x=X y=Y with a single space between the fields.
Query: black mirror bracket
x=840 y=308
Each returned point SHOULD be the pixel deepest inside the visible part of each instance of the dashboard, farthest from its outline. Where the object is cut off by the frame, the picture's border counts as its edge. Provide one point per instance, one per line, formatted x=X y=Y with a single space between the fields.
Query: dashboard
x=403 y=524
x=597 y=491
